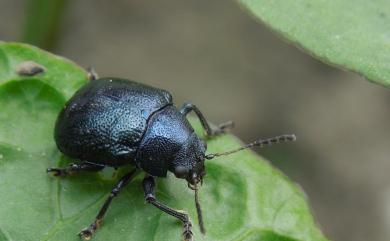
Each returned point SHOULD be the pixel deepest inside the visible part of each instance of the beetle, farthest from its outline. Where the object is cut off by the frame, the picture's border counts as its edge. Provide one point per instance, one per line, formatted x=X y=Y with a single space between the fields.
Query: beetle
x=116 y=122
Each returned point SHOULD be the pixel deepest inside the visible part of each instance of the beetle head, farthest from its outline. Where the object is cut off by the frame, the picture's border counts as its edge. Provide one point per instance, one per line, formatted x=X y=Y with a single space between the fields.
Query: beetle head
x=189 y=161
x=189 y=164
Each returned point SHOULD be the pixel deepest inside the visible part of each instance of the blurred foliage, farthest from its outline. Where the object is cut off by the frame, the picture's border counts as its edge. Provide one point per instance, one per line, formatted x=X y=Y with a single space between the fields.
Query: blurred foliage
x=42 y=23
x=354 y=35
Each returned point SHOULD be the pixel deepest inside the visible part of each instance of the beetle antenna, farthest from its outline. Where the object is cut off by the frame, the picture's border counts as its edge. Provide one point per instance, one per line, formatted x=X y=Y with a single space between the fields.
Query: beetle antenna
x=199 y=211
x=260 y=143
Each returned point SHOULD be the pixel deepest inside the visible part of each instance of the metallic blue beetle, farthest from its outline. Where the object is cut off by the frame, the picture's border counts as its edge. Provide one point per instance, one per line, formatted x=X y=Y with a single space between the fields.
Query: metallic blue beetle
x=116 y=122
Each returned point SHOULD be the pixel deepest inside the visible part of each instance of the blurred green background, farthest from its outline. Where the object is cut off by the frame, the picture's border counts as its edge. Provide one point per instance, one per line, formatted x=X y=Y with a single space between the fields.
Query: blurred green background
x=214 y=54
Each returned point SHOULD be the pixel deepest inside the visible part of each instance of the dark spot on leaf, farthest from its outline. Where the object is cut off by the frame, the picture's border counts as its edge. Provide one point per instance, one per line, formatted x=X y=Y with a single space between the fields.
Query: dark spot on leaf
x=29 y=68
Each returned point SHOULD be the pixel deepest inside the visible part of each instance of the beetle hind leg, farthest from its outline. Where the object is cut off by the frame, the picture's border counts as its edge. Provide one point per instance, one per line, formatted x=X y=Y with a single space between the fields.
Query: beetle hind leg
x=148 y=186
x=86 y=234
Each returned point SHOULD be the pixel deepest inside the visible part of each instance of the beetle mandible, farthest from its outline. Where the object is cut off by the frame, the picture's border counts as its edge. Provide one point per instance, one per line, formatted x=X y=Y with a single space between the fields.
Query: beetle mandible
x=116 y=122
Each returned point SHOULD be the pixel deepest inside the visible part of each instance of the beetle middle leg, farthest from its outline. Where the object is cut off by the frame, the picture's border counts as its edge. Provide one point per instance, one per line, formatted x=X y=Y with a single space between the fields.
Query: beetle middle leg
x=210 y=132
x=148 y=186
x=87 y=233
x=74 y=168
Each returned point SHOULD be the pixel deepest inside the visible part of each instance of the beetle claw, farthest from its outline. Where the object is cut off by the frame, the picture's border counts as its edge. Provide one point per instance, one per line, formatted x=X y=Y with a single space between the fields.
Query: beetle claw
x=85 y=234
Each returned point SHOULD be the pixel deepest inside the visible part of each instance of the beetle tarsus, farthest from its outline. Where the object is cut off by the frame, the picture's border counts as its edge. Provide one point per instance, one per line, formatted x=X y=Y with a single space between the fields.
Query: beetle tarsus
x=187 y=231
x=74 y=168
x=57 y=172
x=223 y=128
x=226 y=125
x=86 y=234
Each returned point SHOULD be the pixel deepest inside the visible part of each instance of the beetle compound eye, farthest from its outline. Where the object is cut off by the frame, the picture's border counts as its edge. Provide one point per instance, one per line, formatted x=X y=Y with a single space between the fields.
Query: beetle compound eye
x=181 y=171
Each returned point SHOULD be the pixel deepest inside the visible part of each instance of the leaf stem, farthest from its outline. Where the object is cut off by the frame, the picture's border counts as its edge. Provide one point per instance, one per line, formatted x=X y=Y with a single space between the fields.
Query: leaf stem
x=43 y=18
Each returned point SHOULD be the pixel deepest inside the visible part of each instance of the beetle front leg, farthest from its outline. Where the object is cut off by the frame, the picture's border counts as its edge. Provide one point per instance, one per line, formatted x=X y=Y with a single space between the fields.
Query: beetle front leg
x=74 y=168
x=188 y=107
x=148 y=186
x=87 y=233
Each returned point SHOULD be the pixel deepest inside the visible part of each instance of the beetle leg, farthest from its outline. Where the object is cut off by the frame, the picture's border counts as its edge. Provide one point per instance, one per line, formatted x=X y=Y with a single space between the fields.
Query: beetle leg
x=73 y=168
x=148 y=186
x=87 y=233
x=188 y=107
x=92 y=75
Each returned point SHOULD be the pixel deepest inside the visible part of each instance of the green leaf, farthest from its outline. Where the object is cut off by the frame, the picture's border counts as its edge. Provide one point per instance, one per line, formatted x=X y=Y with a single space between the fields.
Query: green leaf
x=243 y=197
x=354 y=35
